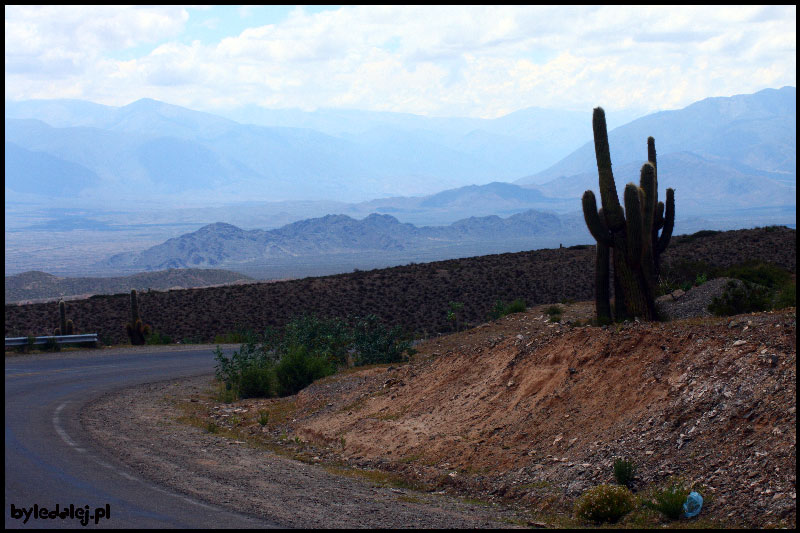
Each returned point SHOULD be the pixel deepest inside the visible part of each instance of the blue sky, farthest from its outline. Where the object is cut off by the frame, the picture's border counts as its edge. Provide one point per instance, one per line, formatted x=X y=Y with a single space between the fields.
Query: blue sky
x=479 y=61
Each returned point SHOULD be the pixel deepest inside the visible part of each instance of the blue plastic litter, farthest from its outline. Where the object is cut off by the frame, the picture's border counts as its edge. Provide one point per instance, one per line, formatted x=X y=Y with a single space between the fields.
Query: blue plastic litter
x=693 y=505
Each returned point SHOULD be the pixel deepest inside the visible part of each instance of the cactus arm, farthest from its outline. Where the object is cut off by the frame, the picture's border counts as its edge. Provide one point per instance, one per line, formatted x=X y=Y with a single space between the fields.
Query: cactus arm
x=633 y=219
x=615 y=219
x=659 y=221
x=647 y=183
x=595 y=224
x=669 y=223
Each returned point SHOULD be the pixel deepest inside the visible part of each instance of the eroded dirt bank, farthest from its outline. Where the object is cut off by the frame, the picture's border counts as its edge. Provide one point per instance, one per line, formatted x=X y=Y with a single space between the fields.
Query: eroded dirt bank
x=145 y=429
x=531 y=413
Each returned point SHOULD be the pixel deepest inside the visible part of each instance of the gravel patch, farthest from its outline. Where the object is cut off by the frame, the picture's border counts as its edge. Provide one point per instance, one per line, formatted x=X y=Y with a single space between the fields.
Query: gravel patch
x=693 y=302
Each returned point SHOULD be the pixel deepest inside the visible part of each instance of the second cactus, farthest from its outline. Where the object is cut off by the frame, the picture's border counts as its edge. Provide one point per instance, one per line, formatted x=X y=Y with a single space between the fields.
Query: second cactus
x=136 y=329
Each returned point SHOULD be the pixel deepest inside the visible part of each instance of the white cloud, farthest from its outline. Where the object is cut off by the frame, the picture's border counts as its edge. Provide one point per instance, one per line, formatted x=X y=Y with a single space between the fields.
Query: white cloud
x=445 y=60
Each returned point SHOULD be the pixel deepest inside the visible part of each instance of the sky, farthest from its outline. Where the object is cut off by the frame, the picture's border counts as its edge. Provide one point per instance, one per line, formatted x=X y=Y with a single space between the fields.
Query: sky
x=475 y=61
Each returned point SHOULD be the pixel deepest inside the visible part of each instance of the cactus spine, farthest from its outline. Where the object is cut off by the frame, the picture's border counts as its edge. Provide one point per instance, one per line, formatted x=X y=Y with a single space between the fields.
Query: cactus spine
x=632 y=234
x=135 y=329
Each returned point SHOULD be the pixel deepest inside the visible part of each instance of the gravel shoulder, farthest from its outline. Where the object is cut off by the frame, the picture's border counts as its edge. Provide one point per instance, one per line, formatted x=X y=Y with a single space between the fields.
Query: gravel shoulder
x=140 y=426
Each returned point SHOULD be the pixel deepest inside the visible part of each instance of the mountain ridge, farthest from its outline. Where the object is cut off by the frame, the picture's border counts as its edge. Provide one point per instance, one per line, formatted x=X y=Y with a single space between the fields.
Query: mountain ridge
x=772 y=110
x=221 y=244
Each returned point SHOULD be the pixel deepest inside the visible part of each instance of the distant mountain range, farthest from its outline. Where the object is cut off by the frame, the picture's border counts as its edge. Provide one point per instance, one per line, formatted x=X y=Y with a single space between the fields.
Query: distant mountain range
x=731 y=160
x=150 y=148
x=736 y=152
x=225 y=245
x=742 y=149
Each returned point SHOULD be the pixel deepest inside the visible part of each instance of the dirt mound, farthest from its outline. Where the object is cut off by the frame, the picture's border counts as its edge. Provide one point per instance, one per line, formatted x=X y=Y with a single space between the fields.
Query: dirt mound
x=530 y=410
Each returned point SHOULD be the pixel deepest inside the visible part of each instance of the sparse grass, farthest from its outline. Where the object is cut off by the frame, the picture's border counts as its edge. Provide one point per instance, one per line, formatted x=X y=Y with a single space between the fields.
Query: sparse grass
x=410 y=499
x=624 y=472
x=502 y=309
x=554 y=313
x=379 y=478
x=668 y=499
x=605 y=503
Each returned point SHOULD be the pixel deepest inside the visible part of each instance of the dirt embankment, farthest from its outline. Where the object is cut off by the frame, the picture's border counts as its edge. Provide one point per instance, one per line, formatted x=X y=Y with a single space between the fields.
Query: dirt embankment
x=532 y=412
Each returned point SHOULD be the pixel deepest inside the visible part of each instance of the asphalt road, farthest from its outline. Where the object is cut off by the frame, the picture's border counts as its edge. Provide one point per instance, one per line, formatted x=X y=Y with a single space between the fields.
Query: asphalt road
x=50 y=462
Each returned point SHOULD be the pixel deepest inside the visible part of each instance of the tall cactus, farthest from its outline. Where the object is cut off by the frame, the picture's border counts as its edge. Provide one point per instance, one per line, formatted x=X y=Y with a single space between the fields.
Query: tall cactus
x=633 y=234
x=66 y=327
x=135 y=329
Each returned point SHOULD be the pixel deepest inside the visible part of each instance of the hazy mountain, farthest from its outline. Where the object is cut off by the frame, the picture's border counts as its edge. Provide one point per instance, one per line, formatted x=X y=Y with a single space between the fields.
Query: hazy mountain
x=150 y=147
x=223 y=244
x=31 y=172
x=755 y=134
x=700 y=184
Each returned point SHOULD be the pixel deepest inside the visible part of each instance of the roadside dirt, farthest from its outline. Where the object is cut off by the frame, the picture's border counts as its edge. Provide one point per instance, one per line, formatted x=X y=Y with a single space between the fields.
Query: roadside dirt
x=145 y=428
x=521 y=412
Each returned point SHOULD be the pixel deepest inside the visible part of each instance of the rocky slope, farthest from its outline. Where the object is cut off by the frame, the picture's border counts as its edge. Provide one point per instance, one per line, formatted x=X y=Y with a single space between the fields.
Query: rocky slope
x=415 y=296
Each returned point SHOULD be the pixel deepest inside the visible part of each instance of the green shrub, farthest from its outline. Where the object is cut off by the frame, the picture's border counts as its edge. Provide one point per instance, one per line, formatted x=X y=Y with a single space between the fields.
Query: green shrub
x=624 y=472
x=741 y=297
x=328 y=338
x=669 y=499
x=158 y=338
x=605 y=503
x=765 y=286
x=229 y=370
x=787 y=296
x=297 y=369
x=374 y=343
x=454 y=313
x=258 y=382
x=760 y=273
x=684 y=275
x=554 y=312
x=282 y=363
x=501 y=309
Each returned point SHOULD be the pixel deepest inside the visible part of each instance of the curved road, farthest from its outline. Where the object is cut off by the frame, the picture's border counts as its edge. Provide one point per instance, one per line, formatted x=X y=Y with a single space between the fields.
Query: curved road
x=50 y=462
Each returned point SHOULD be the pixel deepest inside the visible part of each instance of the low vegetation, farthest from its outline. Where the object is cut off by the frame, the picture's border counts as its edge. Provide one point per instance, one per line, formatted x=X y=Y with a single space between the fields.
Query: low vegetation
x=281 y=363
x=759 y=285
x=668 y=499
x=605 y=503
x=501 y=309
x=624 y=472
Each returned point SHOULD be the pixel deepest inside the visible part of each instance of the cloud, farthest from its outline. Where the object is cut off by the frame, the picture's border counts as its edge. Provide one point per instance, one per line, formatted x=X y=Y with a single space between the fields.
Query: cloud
x=438 y=60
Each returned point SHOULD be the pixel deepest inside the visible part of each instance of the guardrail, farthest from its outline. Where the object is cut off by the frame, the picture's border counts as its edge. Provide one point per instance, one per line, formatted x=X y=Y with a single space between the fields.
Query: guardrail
x=58 y=339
